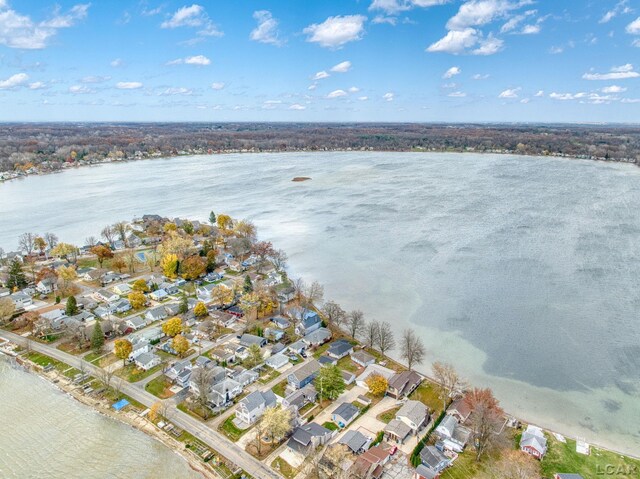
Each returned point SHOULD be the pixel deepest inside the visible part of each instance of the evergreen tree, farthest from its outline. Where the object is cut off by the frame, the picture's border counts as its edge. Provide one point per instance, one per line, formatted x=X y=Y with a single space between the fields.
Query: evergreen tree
x=184 y=305
x=16 y=275
x=72 y=306
x=97 y=338
x=248 y=285
x=212 y=218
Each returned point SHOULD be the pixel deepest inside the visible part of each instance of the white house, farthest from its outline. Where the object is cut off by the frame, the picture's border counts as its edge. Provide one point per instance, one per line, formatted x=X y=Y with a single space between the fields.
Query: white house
x=251 y=407
x=122 y=289
x=21 y=299
x=46 y=285
x=158 y=295
x=147 y=361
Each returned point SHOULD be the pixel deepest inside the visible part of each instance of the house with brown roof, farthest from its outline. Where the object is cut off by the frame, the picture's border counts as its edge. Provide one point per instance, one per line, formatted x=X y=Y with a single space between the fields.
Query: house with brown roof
x=402 y=384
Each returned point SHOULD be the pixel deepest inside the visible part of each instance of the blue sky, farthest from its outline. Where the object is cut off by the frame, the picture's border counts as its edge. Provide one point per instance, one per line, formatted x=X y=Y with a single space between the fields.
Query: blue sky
x=320 y=60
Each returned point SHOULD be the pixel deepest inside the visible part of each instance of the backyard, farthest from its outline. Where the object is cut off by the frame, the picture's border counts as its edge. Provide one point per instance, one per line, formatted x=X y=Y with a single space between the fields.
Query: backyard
x=160 y=387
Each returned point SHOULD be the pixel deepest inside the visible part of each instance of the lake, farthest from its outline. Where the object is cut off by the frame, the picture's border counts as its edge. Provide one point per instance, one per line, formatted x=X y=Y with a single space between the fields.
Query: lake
x=522 y=272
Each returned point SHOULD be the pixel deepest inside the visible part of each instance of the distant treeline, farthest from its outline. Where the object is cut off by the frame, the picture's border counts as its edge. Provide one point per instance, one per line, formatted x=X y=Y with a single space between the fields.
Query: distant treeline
x=47 y=146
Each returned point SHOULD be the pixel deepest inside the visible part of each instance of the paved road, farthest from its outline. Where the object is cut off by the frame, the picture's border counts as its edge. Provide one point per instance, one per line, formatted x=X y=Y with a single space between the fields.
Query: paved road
x=211 y=438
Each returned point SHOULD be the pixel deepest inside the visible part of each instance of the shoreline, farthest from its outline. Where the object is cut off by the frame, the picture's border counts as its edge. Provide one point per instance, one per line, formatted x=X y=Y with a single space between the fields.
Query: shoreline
x=338 y=150
x=101 y=406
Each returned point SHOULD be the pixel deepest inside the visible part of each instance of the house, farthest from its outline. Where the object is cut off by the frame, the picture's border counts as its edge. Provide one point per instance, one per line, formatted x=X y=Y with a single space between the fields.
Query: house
x=247 y=377
x=106 y=296
x=176 y=373
x=355 y=441
x=317 y=337
x=136 y=322
x=280 y=322
x=156 y=314
x=301 y=397
x=251 y=407
x=169 y=288
x=120 y=306
x=308 y=437
x=423 y=472
x=139 y=348
x=402 y=384
x=148 y=335
x=224 y=391
x=348 y=377
x=223 y=355
x=324 y=360
x=373 y=369
x=370 y=465
x=345 y=414
x=362 y=358
x=21 y=299
x=147 y=361
x=235 y=311
x=309 y=323
x=339 y=349
x=225 y=320
x=298 y=347
x=414 y=414
x=533 y=442
x=158 y=295
x=273 y=334
x=122 y=289
x=433 y=459
x=46 y=286
x=459 y=409
x=304 y=375
x=454 y=436
x=286 y=294
x=278 y=348
x=277 y=361
x=92 y=275
x=397 y=431
x=248 y=340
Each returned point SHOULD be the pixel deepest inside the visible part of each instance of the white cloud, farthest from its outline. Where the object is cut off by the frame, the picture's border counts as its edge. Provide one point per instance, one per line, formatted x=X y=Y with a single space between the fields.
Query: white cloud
x=524 y=100
x=567 y=96
x=320 y=75
x=38 y=85
x=354 y=89
x=457 y=94
x=617 y=73
x=95 y=79
x=555 y=50
x=20 y=31
x=296 y=106
x=176 y=91
x=539 y=93
x=510 y=93
x=334 y=32
x=199 y=60
x=129 y=85
x=480 y=12
x=80 y=89
x=193 y=16
x=14 y=81
x=313 y=86
x=479 y=76
x=393 y=7
x=455 y=41
x=530 y=29
x=634 y=27
x=217 y=86
x=341 y=67
x=267 y=29
x=116 y=63
x=389 y=96
x=621 y=7
x=337 y=94
x=630 y=100
x=363 y=98
x=380 y=19
x=451 y=72
x=613 y=89
x=489 y=46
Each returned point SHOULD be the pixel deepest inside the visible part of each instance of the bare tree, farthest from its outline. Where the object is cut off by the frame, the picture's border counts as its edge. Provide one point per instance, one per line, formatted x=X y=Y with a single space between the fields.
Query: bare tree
x=279 y=259
x=313 y=294
x=202 y=379
x=121 y=228
x=386 y=340
x=299 y=286
x=334 y=313
x=51 y=239
x=355 y=323
x=131 y=259
x=26 y=242
x=371 y=333
x=451 y=384
x=412 y=348
x=91 y=241
x=485 y=421
x=106 y=375
x=108 y=234
x=117 y=385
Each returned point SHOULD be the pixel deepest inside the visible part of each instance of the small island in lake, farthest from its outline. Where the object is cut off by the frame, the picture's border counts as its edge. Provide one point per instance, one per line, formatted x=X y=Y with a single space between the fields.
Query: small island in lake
x=301 y=178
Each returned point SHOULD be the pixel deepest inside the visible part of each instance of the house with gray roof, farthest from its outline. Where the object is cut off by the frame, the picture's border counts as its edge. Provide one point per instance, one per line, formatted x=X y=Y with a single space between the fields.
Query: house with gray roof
x=317 y=337
x=277 y=361
x=355 y=441
x=339 y=349
x=433 y=459
x=345 y=414
x=423 y=472
x=156 y=314
x=304 y=375
x=247 y=377
x=533 y=442
x=136 y=322
x=454 y=436
x=251 y=407
x=248 y=340
x=300 y=398
x=224 y=391
x=414 y=414
x=147 y=361
x=298 y=347
x=362 y=358
x=403 y=383
x=397 y=431
x=308 y=437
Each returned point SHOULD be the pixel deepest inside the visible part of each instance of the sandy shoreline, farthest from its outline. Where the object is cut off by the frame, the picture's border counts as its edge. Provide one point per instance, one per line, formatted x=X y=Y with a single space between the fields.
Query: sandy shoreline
x=131 y=419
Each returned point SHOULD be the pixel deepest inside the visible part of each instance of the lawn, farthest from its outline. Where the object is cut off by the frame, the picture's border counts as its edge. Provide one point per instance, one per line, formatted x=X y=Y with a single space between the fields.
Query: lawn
x=428 y=393
x=347 y=364
x=230 y=430
x=279 y=388
x=330 y=426
x=270 y=376
x=42 y=360
x=159 y=387
x=562 y=457
x=284 y=468
x=464 y=467
x=321 y=350
x=388 y=415
x=133 y=373
x=195 y=410
x=71 y=347
x=101 y=359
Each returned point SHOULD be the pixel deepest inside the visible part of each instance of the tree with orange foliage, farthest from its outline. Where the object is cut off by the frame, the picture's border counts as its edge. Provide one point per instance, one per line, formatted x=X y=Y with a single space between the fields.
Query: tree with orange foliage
x=487 y=418
x=102 y=252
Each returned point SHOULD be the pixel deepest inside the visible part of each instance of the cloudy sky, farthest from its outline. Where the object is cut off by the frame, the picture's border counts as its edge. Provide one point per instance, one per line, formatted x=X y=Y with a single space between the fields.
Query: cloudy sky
x=320 y=60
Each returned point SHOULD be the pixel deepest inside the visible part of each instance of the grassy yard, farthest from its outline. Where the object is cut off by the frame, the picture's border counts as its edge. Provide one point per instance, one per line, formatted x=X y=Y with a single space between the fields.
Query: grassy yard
x=347 y=364
x=230 y=430
x=159 y=387
x=464 y=467
x=42 y=360
x=321 y=350
x=330 y=425
x=101 y=359
x=279 y=388
x=71 y=347
x=284 y=468
x=270 y=375
x=133 y=373
x=428 y=393
x=195 y=410
x=388 y=415
x=562 y=457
